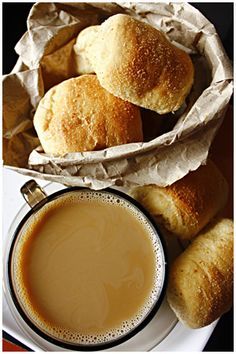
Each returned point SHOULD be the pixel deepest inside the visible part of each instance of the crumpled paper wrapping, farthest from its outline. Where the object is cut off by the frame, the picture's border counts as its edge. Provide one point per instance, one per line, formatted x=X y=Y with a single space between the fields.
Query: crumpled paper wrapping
x=46 y=58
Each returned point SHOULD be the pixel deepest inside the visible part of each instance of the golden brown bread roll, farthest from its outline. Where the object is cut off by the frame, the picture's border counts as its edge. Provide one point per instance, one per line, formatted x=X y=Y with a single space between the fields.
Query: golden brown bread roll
x=201 y=279
x=186 y=206
x=79 y=115
x=82 y=47
x=135 y=61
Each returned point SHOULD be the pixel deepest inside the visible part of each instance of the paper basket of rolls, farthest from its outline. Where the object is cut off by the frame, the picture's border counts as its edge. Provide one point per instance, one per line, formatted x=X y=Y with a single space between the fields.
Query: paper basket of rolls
x=107 y=94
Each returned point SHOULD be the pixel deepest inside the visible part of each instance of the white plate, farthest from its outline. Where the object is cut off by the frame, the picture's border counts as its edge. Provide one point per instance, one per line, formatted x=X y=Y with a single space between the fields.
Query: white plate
x=161 y=334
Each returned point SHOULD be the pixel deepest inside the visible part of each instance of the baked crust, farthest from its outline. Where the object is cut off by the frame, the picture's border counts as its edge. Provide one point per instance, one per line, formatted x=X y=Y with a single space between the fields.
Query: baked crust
x=136 y=62
x=200 y=284
x=187 y=205
x=79 y=115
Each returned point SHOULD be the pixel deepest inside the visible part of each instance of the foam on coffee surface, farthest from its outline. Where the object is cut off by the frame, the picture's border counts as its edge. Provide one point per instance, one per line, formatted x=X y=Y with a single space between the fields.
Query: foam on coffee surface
x=70 y=333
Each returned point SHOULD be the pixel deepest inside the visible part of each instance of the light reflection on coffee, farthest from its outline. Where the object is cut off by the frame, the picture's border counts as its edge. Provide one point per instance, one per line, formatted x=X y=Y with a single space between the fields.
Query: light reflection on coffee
x=87 y=267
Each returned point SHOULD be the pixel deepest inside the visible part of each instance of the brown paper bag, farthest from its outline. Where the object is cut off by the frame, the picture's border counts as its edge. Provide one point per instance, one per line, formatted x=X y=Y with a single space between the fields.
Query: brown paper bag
x=168 y=153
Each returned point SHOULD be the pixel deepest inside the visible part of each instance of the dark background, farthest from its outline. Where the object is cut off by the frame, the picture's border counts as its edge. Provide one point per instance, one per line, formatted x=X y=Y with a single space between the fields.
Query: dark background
x=14 y=17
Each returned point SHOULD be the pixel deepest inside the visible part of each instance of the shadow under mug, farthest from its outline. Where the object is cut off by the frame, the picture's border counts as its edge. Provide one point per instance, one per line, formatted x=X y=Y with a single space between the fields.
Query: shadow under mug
x=37 y=199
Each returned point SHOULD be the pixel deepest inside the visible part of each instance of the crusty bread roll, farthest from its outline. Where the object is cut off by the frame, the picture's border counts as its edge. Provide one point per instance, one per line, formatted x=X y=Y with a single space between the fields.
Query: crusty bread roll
x=136 y=62
x=82 y=48
x=79 y=115
x=186 y=206
x=201 y=279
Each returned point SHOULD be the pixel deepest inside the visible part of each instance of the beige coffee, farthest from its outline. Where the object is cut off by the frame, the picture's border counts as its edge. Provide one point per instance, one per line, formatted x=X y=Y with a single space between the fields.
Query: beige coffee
x=87 y=267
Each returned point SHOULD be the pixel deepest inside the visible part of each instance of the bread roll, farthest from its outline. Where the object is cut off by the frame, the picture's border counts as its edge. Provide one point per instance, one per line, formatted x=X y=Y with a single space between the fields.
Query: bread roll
x=201 y=279
x=82 y=48
x=186 y=206
x=136 y=62
x=79 y=115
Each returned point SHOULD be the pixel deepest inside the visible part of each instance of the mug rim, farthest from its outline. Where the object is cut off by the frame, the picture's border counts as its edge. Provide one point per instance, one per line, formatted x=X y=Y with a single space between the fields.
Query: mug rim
x=113 y=342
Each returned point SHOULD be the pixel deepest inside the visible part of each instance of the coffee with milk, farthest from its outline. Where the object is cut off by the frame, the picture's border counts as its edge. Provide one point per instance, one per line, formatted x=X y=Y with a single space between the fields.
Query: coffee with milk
x=87 y=267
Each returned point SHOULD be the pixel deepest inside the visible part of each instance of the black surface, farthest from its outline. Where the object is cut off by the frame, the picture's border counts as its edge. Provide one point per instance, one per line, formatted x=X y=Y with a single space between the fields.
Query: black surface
x=222 y=337
x=221 y=15
x=14 y=17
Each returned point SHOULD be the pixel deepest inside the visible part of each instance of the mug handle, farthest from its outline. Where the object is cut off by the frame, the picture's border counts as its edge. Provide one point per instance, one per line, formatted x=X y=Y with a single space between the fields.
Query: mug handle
x=33 y=193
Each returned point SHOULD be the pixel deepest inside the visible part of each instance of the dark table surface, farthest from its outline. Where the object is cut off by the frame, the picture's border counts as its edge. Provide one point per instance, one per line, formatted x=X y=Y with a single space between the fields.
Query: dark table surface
x=221 y=15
